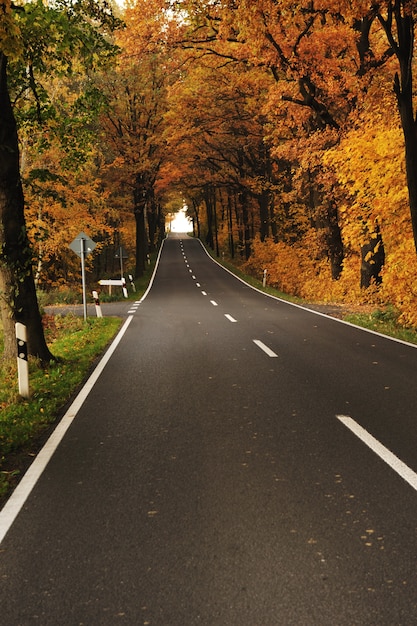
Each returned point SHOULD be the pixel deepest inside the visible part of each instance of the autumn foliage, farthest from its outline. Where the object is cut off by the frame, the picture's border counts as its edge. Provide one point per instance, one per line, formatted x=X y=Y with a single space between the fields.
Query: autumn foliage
x=287 y=129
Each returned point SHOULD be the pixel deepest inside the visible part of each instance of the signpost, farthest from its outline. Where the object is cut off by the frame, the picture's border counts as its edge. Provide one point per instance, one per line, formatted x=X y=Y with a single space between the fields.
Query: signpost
x=121 y=254
x=83 y=245
x=114 y=282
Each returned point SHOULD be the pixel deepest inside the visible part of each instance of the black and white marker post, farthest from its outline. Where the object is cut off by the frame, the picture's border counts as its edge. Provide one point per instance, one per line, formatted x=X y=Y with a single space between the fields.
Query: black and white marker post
x=97 y=304
x=131 y=282
x=22 y=360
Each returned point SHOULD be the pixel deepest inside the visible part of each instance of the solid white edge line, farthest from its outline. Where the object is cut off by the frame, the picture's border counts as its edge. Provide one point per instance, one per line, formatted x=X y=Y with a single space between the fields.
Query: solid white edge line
x=230 y=318
x=265 y=348
x=386 y=455
x=305 y=308
x=19 y=496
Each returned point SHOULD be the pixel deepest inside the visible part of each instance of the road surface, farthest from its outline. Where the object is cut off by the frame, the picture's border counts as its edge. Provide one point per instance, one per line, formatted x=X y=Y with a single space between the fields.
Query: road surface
x=239 y=461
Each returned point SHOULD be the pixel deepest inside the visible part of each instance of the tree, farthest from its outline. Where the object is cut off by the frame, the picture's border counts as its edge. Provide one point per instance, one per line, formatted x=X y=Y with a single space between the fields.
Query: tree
x=17 y=287
x=34 y=38
x=133 y=122
x=398 y=18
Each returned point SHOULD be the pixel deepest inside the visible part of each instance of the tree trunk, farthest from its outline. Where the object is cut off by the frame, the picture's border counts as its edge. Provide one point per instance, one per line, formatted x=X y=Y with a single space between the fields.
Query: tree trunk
x=18 y=293
x=243 y=202
x=230 y=226
x=264 y=203
x=216 y=228
x=141 y=243
x=208 y=197
x=196 y=219
x=410 y=139
x=334 y=242
x=372 y=260
x=153 y=220
x=403 y=88
x=142 y=195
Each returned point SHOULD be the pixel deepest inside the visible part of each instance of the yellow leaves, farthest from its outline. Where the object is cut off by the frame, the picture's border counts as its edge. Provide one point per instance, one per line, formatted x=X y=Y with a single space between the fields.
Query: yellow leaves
x=369 y=165
x=10 y=36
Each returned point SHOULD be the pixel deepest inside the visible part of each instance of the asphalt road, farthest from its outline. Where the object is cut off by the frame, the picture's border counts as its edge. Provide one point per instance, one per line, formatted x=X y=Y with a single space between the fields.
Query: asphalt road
x=206 y=478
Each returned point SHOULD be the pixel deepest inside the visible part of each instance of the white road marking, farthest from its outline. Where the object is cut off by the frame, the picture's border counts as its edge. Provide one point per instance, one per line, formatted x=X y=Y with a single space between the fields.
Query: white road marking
x=214 y=303
x=265 y=348
x=305 y=308
x=19 y=496
x=204 y=293
x=198 y=285
x=386 y=455
x=230 y=318
x=193 y=277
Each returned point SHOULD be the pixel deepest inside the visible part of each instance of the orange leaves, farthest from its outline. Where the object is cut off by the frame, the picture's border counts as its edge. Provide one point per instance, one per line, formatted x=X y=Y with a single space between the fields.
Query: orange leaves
x=150 y=27
x=269 y=118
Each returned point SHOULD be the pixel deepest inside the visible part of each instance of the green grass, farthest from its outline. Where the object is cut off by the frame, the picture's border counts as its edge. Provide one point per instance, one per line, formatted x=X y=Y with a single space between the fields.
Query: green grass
x=384 y=322
x=77 y=344
x=22 y=422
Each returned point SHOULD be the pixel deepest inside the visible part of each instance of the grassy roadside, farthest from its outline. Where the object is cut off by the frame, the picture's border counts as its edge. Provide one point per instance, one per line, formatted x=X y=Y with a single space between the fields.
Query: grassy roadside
x=22 y=422
x=25 y=424
x=384 y=322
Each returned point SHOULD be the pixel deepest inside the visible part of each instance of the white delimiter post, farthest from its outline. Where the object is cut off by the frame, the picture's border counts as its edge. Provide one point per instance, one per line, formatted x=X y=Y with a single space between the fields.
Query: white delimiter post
x=22 y=360
x=97 y=303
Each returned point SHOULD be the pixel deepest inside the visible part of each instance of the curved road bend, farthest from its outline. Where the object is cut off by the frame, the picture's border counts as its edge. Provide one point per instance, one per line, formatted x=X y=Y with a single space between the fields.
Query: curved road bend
x=208 y=480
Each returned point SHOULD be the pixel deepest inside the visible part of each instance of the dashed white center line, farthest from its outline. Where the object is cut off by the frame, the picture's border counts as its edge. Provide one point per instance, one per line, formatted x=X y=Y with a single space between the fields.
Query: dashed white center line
x=386 y=455
x=265 y=348
x=204 y=293
x=230 y=318
x=198 y=285
x=214 y=303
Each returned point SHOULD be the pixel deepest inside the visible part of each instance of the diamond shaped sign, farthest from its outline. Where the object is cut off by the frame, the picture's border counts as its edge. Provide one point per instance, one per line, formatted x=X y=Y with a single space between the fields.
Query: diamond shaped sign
x=82 y=243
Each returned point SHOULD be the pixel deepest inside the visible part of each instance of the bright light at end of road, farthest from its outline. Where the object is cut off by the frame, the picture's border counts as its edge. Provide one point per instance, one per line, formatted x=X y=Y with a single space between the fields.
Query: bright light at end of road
x=181 y=223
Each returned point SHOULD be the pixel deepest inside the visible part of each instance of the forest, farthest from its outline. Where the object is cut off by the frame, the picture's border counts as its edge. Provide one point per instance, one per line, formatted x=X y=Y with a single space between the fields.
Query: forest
x=287 y=129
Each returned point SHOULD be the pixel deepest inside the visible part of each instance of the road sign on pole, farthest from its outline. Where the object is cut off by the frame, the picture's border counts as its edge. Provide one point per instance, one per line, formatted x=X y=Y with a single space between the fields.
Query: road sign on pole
x=83 y=246
x=121 y=254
